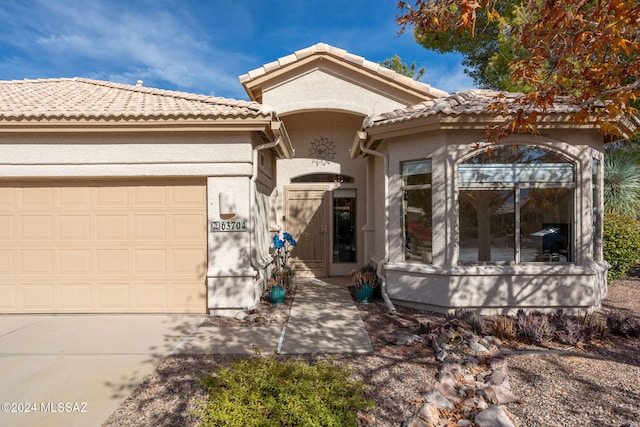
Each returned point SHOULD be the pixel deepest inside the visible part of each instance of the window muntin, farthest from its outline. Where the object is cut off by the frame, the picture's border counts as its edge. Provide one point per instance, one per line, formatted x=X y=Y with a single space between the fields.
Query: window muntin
x=417 y=210
x=516 y=204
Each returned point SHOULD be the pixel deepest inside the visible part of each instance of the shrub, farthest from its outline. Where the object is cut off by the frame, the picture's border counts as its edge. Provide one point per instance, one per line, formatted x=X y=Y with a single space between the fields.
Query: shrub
x=623 y=325
x=503 y=327
x=263 y=391
x=476 y=322
x=621 y=244
x=535 y=326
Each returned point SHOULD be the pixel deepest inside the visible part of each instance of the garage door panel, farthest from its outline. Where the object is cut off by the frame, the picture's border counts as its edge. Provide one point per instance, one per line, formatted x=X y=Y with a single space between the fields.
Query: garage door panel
x=112 y=261
x=8 y=297
x=74 y=197
x=7 y=263
x=36 y=227
x=8 y=196
x=150 y=261
x=74 y=227
x=113 y=296
x=150 y=227
x=114 y=197
x=36 y=262
x=7 y=227
x=108 y=246
x=149 y=196
x=74 y=261
x=76 y=297
x=35 y=196
x=186 y=297
x=187 y=196
x=151 y=296
x=188 y=227
x=112 y=227
x=38 y=296
x=188 y=262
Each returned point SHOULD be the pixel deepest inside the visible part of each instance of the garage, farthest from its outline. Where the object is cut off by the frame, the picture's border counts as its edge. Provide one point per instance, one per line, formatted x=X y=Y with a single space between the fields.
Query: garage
x=103 y=246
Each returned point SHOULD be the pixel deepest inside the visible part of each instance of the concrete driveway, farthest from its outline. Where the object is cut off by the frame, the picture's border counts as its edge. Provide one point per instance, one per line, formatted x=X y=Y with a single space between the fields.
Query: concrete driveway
x=74 y=370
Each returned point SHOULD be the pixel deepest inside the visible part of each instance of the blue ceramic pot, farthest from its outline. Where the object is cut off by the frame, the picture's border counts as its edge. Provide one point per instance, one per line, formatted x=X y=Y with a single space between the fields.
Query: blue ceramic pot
x=364 y=293
x=277 y=294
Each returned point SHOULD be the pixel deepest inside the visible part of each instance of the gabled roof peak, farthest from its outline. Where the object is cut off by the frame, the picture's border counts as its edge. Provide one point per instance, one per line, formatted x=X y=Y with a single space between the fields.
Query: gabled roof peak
x=323 y=49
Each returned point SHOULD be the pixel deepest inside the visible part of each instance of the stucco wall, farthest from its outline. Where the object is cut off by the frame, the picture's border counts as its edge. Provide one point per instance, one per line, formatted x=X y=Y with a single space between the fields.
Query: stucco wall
x=332 y=89
x=132 y=154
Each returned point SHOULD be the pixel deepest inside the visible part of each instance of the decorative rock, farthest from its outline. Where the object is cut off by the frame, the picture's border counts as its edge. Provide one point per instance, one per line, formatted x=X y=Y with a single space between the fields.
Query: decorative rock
x=448 y=391
x=241 y=315
x=473 y=377
x=499 y=395
x=478 y=348
x=441 y=402
x=430 y=414
x=408 y=339
x=493 y=416
x=416 y=422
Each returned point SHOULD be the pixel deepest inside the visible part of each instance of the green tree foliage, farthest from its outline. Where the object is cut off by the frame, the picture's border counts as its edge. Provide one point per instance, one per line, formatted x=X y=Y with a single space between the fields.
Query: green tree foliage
x=403 y=68
x=621 y=183
x=621 y=244
x=486 y=53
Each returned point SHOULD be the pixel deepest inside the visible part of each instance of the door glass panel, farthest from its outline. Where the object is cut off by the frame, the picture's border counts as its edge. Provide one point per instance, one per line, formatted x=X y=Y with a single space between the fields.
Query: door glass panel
x=344 y=225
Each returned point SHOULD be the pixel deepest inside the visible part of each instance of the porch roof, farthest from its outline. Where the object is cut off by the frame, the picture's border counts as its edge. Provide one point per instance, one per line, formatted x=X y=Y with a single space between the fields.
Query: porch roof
x=468 y=109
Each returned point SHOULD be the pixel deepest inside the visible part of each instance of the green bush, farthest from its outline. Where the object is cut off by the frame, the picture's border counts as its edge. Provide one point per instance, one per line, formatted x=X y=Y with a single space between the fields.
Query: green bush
x=263 y=391
x=621 y=244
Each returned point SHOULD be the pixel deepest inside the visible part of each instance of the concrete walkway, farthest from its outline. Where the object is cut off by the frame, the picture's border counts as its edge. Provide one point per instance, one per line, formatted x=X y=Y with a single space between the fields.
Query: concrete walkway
x=323 y=319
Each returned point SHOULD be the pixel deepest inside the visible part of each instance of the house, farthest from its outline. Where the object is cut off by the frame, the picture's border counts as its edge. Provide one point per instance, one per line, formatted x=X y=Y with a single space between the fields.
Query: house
x=119 y=198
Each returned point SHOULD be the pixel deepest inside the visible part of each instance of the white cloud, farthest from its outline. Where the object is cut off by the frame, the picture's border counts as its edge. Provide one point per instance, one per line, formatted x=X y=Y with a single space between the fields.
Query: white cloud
x=450 y=80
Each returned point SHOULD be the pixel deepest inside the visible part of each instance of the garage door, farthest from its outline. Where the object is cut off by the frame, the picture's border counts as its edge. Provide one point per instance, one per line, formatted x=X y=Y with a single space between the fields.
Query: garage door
x=103 y=246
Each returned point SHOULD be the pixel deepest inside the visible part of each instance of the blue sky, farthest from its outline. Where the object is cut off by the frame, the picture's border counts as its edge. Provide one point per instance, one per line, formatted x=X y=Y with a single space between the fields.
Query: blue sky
x=199 y=46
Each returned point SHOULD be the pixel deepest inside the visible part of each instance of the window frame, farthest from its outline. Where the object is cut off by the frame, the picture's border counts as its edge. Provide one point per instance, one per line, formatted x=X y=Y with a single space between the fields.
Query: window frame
x=404 y=188
x=516 y=187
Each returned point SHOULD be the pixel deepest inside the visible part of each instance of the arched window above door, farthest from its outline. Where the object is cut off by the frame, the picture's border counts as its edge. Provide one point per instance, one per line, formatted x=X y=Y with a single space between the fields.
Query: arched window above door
x=322 y=177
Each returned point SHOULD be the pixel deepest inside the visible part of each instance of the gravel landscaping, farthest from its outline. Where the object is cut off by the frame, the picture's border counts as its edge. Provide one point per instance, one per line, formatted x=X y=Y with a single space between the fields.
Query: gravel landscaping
x=597 y=384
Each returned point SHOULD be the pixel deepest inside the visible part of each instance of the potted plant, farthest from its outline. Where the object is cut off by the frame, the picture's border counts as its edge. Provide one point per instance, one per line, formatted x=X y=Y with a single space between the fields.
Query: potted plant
x=365 y=280
x=282 y=276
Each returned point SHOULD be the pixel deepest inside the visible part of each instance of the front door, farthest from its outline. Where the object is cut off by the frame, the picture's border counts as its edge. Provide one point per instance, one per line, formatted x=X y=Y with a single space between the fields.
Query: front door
x=307 y=219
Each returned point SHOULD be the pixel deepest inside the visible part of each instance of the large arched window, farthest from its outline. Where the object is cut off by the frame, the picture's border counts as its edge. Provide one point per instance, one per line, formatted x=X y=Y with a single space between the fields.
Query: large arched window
x=516 y=205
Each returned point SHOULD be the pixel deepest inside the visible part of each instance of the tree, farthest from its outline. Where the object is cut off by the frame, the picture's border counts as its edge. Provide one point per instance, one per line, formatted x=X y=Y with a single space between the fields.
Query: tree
x=400 y=67
x=621 y=183
x=581 y=52
x=487 y=52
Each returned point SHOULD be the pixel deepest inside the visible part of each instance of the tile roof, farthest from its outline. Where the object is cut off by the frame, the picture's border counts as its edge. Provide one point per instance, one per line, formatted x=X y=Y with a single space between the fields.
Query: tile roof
x=341 y=54
x=87 y=99
x=474 y=101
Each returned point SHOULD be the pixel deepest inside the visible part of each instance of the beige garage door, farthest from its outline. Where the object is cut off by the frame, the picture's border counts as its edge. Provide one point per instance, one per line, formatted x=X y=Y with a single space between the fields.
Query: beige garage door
x=103 y=246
